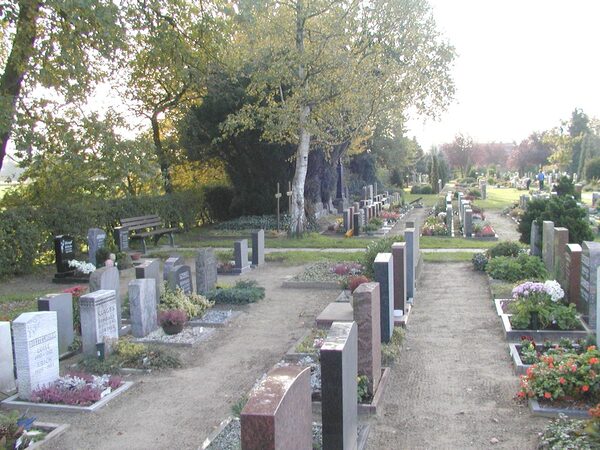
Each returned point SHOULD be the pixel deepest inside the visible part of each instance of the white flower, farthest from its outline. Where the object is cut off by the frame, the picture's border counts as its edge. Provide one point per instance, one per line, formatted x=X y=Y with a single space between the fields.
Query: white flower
x=553 y=289
x=83 y=267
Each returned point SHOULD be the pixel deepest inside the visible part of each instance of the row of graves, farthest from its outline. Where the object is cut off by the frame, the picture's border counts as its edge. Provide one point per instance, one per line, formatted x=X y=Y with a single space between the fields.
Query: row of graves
x=574 y=272
x=30 y=349
x=469 y=220
x=279 y=412
x=373 y=206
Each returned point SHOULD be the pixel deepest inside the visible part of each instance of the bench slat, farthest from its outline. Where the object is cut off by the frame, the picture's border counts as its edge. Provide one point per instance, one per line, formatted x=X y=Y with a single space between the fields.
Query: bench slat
x=153 y=233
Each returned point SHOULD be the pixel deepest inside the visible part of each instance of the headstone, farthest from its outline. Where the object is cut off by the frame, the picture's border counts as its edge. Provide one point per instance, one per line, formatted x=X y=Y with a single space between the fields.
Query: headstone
x=548 y=245
x=171 y=262
x=121 y=237
x=597 y=312
x=258 y=248
x=399 y=255
x=356 y=224
x=143 y=306
x=573 y=276
x=370 y=192
x=7 y=373
x=590 y=261
x=365 y=302
x=240 y=253
x=62 y=304
x=351 y=218
x=278 y=414
x=96 y=240
x=449 y=219
x=150 y=268
x=107 y=278
x=64 y=250
x=410 y=239
x=180 y=277
x=595 y=198
x=206 y=270
x=535 y=239
x=36 y=351
x=561 y=239
x=384 y=275
x=98 y=311
x=339 y=371
x=468 y=225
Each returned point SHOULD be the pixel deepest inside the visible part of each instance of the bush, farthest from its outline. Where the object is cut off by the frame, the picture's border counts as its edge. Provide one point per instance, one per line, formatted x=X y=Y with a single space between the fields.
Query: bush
x=22 y=239
x=474 y=192
x=514 y=269
x=356 y=281
x=243 y=292
x=380 y=246
x=218 y=199
x=424 y=189
x=592 y=169
x=479 y=261
x=508 y=248
x=563 y=211
x=193 y=305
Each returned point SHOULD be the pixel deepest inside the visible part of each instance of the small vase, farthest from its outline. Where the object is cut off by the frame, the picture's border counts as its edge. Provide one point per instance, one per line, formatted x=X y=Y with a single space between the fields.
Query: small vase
x=170 y=328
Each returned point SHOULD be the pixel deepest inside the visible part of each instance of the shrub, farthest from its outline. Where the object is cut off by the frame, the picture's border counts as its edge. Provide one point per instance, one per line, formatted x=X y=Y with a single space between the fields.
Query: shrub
x=508 y=248
x=380 y=246
x=244 y=291
x=474 y=192
x=514 y=269
x=362 y=387
x=22 y=239
x=218 y=199
x=592 y=169
x=354 y=282
x=172 y=317
x=390 y=352
x=193 y=305
x=13 y=430
x=424 y=189
x=564 y=433
x=76 y=389
x=479 y=261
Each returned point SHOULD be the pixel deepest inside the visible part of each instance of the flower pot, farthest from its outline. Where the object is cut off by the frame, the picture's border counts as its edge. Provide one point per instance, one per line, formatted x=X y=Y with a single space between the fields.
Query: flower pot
x=170 y=328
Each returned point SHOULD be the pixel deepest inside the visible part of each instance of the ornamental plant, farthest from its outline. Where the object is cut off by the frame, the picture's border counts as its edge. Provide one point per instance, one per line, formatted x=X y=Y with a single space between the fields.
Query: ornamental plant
x=515 y=269
x=479 y=261
x=540 y=305
x=194 y=305
x=172 y=317
x=77 y=388
x=354 y=282
x=566 y=376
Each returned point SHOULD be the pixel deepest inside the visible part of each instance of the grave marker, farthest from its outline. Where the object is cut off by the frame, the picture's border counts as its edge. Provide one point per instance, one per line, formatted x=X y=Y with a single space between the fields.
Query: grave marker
x=573 y=275
x=240 y=252
x=278 y=414
x=535 y=241
x=548 y=245
x=468 y=225
x=62 y=304
x=365 y=302
x=180 y=277
x=384 y=275
x=36 y=351
x=356 y=224
x=96 y=240
x=98 y=311
x=339 y=371
x=171 y=262
x=64 y=251
x=410 y=239
x=206 y=270
x=561 y=239
x=399 y=256
x=258 y=248
x=590 y=261
x=143 y=306
x=7 y=375
x=107 y=278
x=150 y=268
x=121 y=237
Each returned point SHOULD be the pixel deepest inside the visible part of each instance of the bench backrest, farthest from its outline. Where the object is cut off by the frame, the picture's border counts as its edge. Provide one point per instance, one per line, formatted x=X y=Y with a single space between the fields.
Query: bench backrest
x=142 y=222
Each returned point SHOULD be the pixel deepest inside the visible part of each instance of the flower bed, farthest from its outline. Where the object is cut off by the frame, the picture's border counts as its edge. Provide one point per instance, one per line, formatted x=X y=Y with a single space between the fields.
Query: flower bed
x=434 y=226
x=323 y=275
x=566 y=381
x=573 y=434
x=20 y=432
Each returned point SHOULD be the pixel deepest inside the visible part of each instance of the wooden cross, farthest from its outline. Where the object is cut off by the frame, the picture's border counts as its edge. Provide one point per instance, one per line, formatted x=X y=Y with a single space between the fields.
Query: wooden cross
x=278 y=196
x=289 y=194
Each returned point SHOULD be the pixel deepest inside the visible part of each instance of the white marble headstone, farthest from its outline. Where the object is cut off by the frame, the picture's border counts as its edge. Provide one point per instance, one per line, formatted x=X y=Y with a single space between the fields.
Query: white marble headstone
x=98 y=311
x=7 y=376
x=36 y=351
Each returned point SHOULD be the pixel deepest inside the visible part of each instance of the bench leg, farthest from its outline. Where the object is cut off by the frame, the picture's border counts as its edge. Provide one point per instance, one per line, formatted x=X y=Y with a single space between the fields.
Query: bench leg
x=171 y=240
x=144 y=245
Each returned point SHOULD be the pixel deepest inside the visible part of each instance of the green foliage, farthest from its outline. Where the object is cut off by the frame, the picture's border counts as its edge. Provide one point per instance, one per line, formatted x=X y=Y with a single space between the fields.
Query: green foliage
x=362 y=387
x=21 y=240
x=237 y=407
x=506 y=248
x=565 y=433
x=310 y=344
x=244 y=291
x=194 y=305
x=396 y=178
x=531 y=313
x=563 y=211
x=11 y=431
x=421 y=189
x=380 y=246
x=479 y=261
x=218 y=199
x=592 y=169
x=245 y=223
x=523 y=267
x=566 y=187
x=390 y=352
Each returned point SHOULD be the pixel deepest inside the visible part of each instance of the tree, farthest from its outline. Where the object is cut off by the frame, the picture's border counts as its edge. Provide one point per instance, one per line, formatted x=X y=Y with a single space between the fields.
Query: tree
x=590 y=149
x=578 y=127
x=459 y=153
x=530 y=154
x=333 y=69
x=64 y=47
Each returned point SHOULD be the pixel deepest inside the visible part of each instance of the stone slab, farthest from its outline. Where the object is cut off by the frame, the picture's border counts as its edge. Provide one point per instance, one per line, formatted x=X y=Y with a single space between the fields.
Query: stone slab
x=335 y=312
x=548 y=245
x=206 y=270
x=63 y=305
x=98 y=311
x=384 y=275
x=143 y=306
x=573 y=275
x=258 y=248
x=107 y=278
x=366 y=304
x=399 y=256
x=150 y=268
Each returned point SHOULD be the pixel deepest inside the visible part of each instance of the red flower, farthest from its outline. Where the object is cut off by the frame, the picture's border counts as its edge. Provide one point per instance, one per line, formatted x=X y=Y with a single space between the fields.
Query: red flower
x=591 y=347
x=547 y=395
x=521 y=394
x=585 y=388
x=561 y=380
x=573 y=368
x=594 y=360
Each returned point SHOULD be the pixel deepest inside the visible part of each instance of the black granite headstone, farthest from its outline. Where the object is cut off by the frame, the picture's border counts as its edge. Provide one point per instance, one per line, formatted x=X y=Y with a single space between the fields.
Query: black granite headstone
x=181 y=277
x=121 y=237
x=64 y=249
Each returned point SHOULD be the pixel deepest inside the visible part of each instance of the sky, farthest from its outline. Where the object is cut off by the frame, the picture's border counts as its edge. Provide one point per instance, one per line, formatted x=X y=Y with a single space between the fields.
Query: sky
x=522 y=66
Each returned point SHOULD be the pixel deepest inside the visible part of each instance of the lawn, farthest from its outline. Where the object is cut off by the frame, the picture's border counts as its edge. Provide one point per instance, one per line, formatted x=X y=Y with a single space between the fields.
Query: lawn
x=456 y=242
x=427 y=199
x=444 y=257
x=499 y=198
x=11 y=305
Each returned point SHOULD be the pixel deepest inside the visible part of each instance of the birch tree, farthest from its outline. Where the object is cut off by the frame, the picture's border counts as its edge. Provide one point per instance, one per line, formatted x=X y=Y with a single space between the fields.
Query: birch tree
x=324 y=71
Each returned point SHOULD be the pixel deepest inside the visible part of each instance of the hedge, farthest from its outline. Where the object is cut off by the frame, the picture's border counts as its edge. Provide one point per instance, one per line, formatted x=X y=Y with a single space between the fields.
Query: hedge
x=26 y=232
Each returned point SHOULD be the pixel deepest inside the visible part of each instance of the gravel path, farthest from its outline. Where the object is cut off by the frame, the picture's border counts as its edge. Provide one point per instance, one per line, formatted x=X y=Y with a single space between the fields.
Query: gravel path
x=505 y=228
x=453 y=387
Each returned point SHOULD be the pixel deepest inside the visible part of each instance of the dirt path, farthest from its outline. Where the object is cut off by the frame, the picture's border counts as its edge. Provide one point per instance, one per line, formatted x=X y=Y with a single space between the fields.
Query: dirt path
x=178 y=409
x=453 y=386
x=505 y=228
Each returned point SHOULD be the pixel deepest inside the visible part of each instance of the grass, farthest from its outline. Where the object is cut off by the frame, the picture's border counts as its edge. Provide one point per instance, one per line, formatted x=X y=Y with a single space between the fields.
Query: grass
x=447 y=257
x=427 y=199
x=499 y=198
x=295 y=258
x=11 y=305
x=453 y=242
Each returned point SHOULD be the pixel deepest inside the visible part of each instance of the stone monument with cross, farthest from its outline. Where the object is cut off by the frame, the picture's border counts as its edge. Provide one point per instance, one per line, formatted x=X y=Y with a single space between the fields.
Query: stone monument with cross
x=278 y=197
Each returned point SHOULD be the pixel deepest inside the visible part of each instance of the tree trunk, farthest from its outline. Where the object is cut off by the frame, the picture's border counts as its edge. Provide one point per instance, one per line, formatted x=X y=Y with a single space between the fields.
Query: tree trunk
x=16 y=66
x=163 y=160
x=298 y=224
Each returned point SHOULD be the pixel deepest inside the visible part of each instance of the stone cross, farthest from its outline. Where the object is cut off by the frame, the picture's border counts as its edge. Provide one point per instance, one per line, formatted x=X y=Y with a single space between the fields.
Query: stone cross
x=278 y=196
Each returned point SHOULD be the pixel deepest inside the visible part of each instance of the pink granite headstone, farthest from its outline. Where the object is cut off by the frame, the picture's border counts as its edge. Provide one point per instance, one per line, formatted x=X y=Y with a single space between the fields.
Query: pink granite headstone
x=399 y=256
x=573 y=276
x=561 y=239
x=278 y=415
x=365 y=301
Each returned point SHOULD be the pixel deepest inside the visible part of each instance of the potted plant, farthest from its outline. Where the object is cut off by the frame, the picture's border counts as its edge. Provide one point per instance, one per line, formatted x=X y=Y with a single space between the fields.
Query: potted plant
x=172 y=320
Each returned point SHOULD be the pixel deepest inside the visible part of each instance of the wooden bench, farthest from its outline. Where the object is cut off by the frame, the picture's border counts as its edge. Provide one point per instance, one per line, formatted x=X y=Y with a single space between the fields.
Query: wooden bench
x=148 y=226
